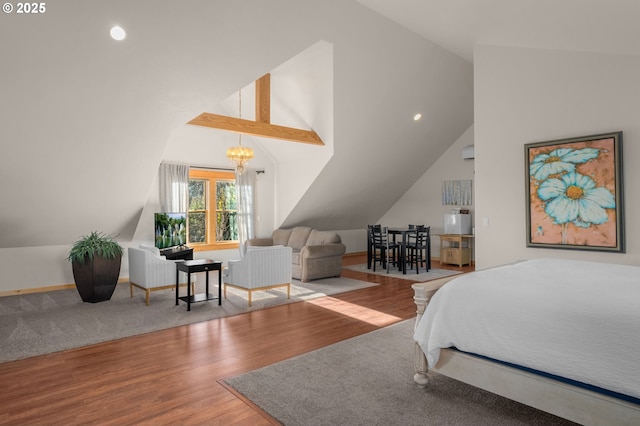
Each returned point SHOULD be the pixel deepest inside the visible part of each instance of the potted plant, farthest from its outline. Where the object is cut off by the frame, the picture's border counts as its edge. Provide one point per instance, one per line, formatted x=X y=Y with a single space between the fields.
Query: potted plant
x=95 y=260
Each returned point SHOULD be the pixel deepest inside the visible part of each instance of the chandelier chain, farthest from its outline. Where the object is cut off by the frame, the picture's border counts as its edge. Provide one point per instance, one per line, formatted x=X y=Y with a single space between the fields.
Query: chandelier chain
x=239 y=154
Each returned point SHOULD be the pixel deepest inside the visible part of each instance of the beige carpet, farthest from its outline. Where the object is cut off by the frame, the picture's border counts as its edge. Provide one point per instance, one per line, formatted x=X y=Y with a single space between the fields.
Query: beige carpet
x=410 y=275
x=40 y=323
x=368 y=380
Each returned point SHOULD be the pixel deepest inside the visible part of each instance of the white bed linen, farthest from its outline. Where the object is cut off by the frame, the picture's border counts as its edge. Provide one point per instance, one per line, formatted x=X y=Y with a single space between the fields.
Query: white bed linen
x=576 y=319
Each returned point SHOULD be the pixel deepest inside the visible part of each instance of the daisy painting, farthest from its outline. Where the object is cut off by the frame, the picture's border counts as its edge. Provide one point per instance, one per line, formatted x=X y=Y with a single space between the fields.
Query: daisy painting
x=574 y=193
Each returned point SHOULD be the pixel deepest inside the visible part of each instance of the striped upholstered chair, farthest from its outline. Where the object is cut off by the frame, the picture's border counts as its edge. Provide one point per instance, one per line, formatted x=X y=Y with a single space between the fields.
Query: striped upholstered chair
x=261 y=268
x=150 y=271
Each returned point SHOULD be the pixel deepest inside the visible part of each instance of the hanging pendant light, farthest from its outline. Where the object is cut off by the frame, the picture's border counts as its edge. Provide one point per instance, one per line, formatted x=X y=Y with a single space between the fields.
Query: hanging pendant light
x=240 y=155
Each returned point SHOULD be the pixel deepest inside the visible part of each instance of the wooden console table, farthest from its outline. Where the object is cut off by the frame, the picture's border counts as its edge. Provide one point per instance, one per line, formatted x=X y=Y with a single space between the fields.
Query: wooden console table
x=455 y=249
x=200 y=265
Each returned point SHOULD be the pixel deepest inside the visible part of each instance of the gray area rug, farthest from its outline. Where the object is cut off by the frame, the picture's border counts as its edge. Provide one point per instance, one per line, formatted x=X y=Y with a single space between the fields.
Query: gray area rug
x=40 y=323
x=368 y=380
x=433 y=273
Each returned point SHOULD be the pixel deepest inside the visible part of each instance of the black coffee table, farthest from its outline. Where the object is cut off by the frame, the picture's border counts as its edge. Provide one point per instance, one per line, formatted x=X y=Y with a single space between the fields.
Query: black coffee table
x=193 y=266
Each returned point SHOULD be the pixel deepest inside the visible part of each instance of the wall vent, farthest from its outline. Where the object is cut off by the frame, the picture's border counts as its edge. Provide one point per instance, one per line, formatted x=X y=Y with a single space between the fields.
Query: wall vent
x=467 y=153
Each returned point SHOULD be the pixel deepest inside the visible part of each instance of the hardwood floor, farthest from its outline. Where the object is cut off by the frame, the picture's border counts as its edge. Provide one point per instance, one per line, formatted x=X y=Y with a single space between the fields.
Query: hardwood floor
x=175 y=376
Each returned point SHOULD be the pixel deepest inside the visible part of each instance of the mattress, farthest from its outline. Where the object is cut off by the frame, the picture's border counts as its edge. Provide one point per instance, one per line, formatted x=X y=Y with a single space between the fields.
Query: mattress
x=574 y=319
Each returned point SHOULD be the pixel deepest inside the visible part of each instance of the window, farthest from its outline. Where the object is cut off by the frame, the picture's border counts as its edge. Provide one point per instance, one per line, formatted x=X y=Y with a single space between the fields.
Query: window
x=212 y=210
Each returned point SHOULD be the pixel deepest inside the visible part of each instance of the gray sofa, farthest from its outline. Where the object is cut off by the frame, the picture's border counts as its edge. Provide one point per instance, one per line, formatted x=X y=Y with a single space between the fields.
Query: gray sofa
x=315 y=254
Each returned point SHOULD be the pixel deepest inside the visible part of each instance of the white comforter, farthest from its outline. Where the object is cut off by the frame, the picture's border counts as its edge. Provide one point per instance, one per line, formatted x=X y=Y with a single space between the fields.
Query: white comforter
x=576 y=319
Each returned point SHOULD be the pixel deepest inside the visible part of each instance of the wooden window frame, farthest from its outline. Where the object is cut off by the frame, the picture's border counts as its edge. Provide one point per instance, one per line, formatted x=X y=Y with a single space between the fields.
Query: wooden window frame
x=212 y=176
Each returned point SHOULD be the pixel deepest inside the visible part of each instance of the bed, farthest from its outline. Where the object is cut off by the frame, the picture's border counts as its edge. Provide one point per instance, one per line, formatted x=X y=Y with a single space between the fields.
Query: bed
x=559 y=335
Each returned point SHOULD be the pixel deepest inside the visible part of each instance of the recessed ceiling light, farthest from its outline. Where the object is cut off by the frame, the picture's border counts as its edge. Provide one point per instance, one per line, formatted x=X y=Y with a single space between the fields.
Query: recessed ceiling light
x=117 y=33
x=417 y=117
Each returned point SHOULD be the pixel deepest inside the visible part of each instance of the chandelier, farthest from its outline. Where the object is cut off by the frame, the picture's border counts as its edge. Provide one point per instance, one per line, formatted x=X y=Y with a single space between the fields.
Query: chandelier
x=240 y=155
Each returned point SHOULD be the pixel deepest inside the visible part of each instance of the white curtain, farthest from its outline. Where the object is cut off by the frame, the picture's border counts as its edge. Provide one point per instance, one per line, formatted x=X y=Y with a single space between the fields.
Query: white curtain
x=174 y=187
x=245 y=189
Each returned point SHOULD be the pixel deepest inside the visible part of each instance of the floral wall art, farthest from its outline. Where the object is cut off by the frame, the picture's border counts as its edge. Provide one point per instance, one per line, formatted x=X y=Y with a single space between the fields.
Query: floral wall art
x=574 y=193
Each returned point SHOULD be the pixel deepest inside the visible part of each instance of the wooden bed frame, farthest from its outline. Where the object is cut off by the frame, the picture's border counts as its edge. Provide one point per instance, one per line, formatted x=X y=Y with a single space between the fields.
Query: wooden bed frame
x=559 y=398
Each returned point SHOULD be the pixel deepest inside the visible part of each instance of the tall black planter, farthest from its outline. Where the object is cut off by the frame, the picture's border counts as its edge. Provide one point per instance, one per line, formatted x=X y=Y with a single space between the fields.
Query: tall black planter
x=96 y=279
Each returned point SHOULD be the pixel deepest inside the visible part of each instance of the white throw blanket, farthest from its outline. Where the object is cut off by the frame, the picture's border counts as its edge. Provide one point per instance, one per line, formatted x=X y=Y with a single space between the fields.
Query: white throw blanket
x=575 y=319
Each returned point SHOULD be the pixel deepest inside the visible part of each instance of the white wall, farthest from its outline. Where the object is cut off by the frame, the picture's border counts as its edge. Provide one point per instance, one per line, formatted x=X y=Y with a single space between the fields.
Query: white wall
x=530 y=95
x=422 y=203
x=303 y=86
x=354 y=239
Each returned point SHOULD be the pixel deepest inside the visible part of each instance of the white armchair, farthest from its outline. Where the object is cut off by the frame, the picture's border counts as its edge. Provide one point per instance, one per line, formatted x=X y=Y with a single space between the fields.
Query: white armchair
x=150 y=271
x=262 y=268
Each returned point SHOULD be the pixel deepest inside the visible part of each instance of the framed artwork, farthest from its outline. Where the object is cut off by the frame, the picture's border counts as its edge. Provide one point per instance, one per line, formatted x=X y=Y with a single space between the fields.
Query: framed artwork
x=574 y=193
x=457 y=193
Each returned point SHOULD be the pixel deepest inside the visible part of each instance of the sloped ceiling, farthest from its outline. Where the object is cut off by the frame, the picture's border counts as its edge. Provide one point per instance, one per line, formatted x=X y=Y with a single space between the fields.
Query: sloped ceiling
x=84 y=119
x=379 y=150
x=609 y=26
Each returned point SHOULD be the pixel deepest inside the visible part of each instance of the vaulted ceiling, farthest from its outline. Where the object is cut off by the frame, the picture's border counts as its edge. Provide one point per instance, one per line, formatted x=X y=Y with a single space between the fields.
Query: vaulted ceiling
x=84 y=121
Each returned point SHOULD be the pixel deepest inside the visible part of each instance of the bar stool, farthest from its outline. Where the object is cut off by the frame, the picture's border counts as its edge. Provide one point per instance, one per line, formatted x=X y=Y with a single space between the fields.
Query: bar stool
x=419 y=248
x=383 y=250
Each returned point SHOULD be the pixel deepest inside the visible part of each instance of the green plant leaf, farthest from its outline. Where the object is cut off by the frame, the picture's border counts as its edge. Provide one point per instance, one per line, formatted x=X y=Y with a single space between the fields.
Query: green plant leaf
x=94 y=244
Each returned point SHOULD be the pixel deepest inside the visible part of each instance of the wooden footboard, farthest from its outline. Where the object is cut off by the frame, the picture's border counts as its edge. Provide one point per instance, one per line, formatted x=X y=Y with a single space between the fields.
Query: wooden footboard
x=422 y=295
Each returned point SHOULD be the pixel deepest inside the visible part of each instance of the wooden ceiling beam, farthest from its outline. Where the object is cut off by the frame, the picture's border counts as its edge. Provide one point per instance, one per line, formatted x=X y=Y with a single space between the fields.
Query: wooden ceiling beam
x=262 y=126
x=255 y=128
x=263 y=99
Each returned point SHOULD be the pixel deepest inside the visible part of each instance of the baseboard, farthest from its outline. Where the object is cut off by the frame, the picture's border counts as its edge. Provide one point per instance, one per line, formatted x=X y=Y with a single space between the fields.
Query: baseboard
x=355 y=253
x=48 y=288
